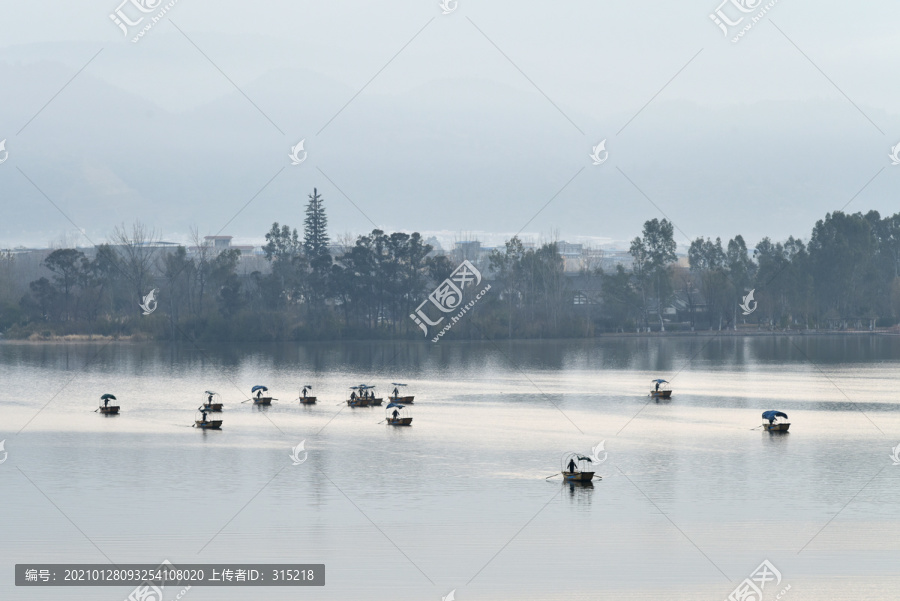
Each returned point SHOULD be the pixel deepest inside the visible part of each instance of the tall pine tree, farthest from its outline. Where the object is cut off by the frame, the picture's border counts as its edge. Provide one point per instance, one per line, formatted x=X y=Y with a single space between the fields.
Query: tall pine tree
x=315 y=246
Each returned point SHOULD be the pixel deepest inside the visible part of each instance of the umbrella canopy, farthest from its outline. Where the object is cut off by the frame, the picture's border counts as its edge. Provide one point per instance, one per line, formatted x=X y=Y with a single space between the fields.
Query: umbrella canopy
x=583 y=458
x=211 y=392
x=397 y=384
x=397 y=405
x=258 y=387
x=660 y=380
x=108 y=396
x=773 y=414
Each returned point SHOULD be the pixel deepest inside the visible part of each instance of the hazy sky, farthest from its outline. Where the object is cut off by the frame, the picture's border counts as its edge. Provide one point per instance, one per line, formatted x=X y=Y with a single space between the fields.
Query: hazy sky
x=479 y=122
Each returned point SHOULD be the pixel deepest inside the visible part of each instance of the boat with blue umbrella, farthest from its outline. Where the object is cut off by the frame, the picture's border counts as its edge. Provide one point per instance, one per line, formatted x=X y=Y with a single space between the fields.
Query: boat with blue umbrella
x=395 y=395
x=258 y=398
x=398 y=415
x=772 y=424
x=661 y=389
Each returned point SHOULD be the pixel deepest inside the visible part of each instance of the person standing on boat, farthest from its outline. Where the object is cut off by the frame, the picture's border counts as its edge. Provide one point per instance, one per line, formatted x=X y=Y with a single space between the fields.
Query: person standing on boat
x=572 y=465
x=106 y=402
x=353 y=396
x=657 y=386
x=304 y=392
x=203 y=416
x=209 y=401
x=259 y=393
x=396 y=393
x=396 y=414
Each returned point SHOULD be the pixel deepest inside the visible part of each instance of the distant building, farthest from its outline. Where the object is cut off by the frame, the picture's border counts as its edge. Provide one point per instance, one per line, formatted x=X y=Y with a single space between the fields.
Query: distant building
x=219 y=242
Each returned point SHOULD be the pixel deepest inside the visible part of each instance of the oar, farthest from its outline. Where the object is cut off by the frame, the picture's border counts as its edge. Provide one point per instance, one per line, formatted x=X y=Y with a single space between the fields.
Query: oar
x=247 y=400
x=554 y=475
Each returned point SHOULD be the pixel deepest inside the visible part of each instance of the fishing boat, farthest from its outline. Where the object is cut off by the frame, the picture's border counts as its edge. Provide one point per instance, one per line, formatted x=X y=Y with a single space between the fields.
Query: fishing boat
x=213 y=403
x=398 y=415
x=304 y=398
x=772 y=424
x=259 y=399
x=107 y=409
x=660 y=391
x=362 y=397
x=575 y=468
x=395 y=396
x=207 y=424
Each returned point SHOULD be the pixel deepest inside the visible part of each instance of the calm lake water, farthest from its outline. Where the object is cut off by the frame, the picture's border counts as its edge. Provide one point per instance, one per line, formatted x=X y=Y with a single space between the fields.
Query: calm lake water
x=692 y=498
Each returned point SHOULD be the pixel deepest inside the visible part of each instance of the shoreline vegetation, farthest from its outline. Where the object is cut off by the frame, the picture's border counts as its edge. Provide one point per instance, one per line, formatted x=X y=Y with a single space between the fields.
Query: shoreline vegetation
x=844 y=279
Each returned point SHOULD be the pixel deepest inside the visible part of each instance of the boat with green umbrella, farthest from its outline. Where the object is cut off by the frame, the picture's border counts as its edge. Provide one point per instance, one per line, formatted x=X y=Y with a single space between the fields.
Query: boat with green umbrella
x=107 y=409
x=305 y=399
x=575 y=468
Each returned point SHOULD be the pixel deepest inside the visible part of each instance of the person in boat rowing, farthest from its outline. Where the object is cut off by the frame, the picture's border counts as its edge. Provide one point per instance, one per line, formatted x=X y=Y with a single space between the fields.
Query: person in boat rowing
x=353 y=396
x=304 y=392
x=771 y=420
x=572 y=465
x=203 y=416
x=106 y=402
x=259 y=393
x=209 y=401
x=657 y=386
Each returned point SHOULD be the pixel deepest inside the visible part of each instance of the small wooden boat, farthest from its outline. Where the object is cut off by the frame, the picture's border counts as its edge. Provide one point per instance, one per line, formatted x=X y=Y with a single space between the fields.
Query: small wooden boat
x=258 y=399
x=106 y=408
x=772 y=424
x=362 y=396
x=215 y=424
x=782 y=427
x=304 y=398
x=213 y=403
x=575 y=468
x=660 y=391
x=399 y=416
x=395 y=395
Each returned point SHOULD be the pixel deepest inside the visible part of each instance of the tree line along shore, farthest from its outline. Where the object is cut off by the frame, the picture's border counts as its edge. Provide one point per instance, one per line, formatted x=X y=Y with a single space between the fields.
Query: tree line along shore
x=844 y=277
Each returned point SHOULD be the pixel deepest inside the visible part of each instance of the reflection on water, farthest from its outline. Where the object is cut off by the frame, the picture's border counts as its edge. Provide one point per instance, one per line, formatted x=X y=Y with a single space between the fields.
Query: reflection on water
x=691 y=488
